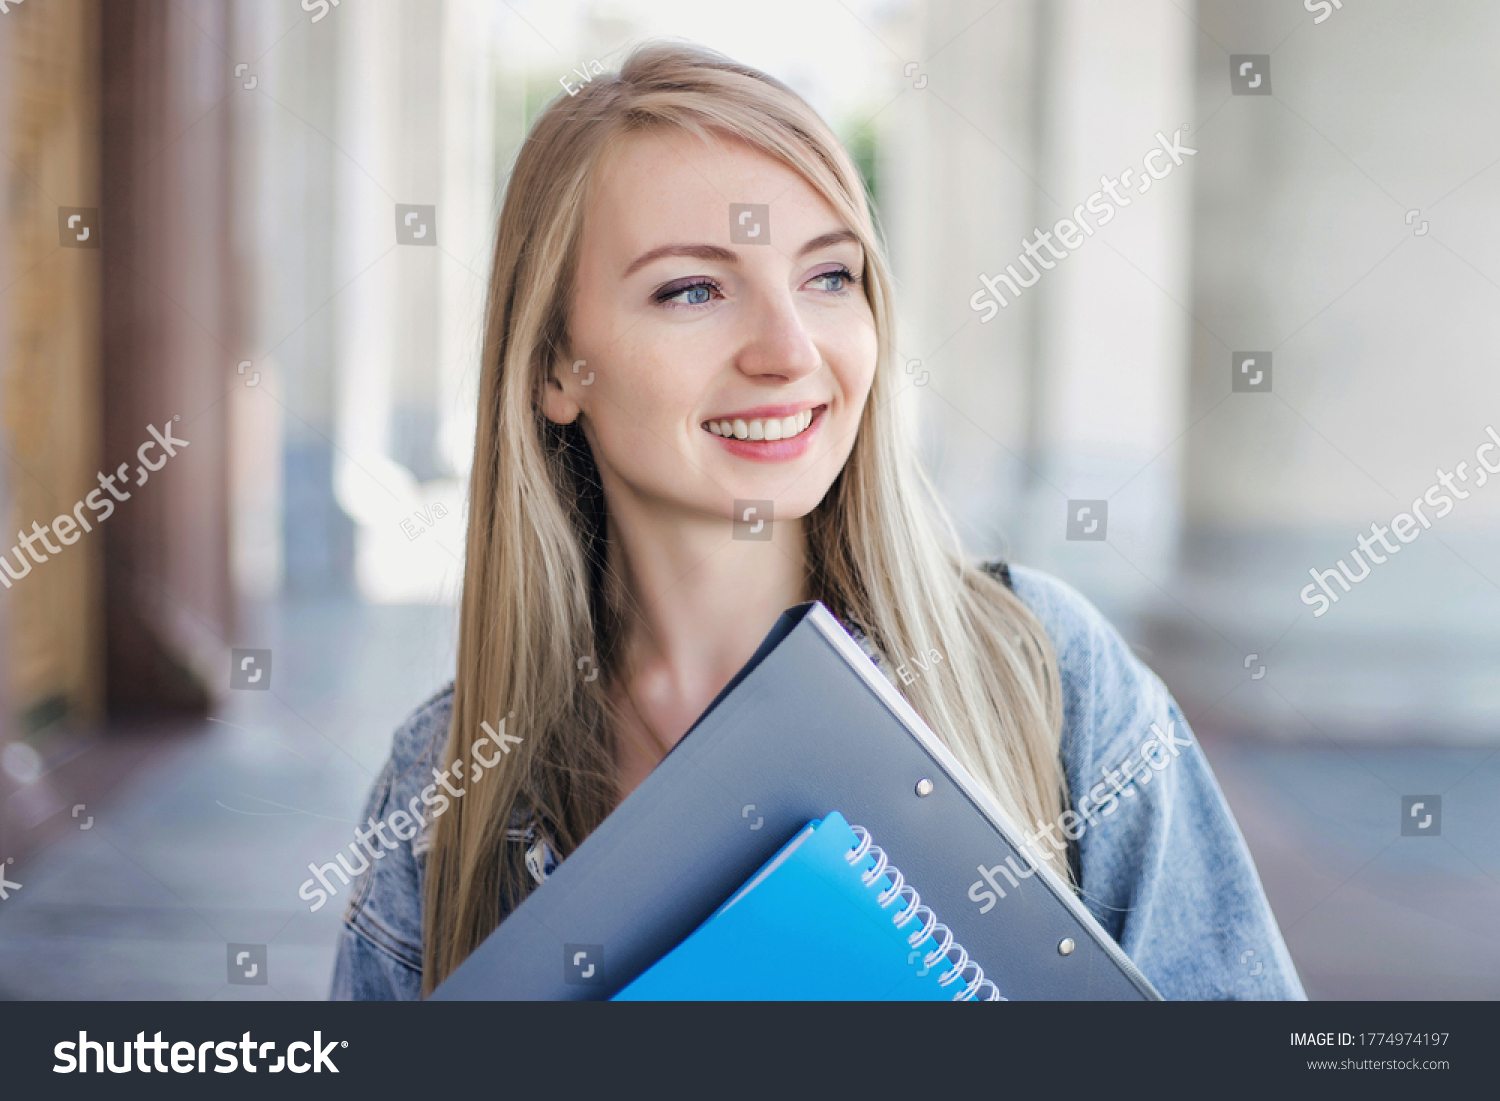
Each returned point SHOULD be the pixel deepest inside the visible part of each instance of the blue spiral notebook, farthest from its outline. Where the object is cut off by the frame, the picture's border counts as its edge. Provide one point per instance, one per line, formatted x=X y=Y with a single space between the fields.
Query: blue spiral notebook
x=827 y=918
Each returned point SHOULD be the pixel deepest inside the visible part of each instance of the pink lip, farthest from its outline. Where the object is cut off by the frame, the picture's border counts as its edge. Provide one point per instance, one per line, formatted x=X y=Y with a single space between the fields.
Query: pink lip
x=771 y=451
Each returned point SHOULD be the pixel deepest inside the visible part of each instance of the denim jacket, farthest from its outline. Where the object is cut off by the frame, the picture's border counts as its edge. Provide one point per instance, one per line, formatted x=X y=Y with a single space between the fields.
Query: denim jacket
x=1157 y=855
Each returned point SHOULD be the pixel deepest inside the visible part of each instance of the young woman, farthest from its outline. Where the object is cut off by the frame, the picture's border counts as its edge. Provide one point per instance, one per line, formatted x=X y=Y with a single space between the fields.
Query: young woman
x=690 y=312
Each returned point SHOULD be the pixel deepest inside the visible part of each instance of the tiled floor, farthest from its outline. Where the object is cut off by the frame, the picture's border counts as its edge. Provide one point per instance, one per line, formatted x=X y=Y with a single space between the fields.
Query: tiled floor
x=204 y=842
x=1367 y=912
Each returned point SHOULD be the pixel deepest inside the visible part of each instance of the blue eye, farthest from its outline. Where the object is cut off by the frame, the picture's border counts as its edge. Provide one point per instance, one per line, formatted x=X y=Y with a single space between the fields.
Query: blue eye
x=842 y=281
x=694 y=294
x=705 y=291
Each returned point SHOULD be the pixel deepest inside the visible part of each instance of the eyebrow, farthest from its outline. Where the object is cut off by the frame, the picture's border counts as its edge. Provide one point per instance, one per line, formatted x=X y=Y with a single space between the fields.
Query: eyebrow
x=729 y=256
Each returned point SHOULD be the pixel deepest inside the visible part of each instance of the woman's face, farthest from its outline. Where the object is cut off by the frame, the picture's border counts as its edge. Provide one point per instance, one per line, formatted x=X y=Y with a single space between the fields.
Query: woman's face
x=727 y=355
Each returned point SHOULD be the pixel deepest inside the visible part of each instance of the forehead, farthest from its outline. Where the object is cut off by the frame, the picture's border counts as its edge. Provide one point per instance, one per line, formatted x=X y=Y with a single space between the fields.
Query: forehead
x=668 y=185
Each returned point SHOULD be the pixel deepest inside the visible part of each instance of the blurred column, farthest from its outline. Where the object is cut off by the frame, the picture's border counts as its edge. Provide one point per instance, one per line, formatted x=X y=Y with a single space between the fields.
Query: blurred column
x=471 y=208
x=172 y=313
x=49 y=360
x=388 y=469
x=957 y=173
x=1075 y=389
x=370 y=486
x=7 y=724
x=257 y=393
x=1112 y=348
x=296 y=169
x=51 y=652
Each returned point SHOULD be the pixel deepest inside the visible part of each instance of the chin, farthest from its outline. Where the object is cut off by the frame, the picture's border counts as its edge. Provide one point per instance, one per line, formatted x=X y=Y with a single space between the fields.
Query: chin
x=782 y=506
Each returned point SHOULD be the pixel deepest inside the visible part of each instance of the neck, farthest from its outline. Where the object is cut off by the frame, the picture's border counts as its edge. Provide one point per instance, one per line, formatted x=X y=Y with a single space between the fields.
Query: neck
x=697 y=601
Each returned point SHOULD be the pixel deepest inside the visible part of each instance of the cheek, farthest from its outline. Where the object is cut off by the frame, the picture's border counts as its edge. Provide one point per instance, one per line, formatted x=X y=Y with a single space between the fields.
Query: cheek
x=852 y=356
x=636 y=408
x=643 y=382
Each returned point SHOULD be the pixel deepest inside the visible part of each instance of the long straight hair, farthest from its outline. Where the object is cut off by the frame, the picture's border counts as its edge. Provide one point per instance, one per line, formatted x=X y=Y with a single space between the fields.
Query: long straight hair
x=539 y=616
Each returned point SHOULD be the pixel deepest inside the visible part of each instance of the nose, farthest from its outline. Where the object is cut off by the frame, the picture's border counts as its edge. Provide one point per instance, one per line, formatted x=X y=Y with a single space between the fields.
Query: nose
x=778 y=346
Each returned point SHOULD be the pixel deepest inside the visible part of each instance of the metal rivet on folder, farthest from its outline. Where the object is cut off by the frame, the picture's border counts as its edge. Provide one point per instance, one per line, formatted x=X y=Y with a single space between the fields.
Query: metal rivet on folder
x=924 y=786
x=1065 y=947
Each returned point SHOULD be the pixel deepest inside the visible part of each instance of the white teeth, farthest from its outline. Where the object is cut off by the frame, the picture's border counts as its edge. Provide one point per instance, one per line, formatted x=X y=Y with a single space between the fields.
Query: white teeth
x=771 y=428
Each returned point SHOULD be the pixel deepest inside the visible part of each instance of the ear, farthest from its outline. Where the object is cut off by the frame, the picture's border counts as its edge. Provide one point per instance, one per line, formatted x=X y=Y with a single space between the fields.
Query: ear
x=558 y=404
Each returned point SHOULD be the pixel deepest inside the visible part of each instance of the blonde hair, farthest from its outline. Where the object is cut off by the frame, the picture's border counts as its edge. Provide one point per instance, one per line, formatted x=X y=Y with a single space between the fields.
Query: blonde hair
x=536 y=598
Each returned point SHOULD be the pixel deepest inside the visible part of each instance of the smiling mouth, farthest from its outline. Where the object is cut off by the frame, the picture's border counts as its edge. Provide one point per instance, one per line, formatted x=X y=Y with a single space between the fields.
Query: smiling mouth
x=763 y=428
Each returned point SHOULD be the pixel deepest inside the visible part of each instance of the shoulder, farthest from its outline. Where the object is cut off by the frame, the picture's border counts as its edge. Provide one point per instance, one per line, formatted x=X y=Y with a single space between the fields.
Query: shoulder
x=1108 y=693
x=1163 y=865
x=1085 y=641
x=416 y=749
x=419 y=740
x=416 y=753
x=1069 y=617
x=380 y=953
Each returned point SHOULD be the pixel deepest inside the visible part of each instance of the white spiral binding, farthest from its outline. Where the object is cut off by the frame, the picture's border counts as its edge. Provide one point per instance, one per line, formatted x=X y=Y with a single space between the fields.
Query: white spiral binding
x=898 y=887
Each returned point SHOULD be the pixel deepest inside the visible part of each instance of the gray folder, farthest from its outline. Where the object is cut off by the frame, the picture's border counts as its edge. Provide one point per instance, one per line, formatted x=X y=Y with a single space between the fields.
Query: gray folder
x=809 y=725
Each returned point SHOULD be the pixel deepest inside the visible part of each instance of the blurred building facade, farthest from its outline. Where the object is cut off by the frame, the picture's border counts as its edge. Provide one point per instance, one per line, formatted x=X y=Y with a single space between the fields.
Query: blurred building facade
x=1286 y=232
